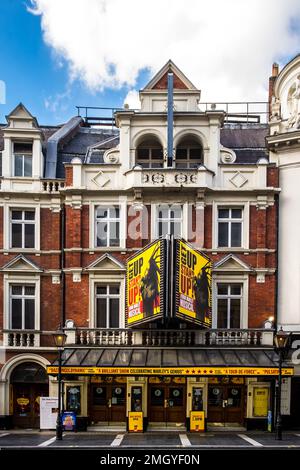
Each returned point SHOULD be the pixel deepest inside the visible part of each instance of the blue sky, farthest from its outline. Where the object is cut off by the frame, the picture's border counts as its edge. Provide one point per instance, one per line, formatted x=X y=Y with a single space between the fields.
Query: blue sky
x=98 y=51
x=33 y=75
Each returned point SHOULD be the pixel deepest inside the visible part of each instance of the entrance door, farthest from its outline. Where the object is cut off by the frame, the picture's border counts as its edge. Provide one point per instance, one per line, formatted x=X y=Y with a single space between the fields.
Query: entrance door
x=108 y=402
x=167 y=403
x=26 y=402
x=225 y=404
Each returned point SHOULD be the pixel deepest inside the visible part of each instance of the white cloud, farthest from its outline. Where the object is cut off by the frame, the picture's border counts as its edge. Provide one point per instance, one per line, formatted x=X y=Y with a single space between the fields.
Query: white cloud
x=225 y=47
x=132 y=99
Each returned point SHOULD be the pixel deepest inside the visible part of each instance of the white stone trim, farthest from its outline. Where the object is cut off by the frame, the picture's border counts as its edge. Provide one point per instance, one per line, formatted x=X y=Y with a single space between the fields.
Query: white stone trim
x=231 y=279
x=6 y=372
x=21 y=278
x=101 y=278
x=245 y=223
x=120 y=201
x=6 y=224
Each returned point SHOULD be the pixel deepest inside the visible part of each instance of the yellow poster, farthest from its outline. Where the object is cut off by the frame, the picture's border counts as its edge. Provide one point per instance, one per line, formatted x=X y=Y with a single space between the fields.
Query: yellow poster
x=260 y=402
x=193 y=296
x=144 y=284
x=135 y=421
x=197 y=421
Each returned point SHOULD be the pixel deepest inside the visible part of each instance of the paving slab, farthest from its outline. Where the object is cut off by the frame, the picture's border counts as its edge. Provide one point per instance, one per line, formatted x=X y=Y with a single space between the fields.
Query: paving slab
x=151 y=439
x=23 y=440
x=85 y=440
x=213 y=439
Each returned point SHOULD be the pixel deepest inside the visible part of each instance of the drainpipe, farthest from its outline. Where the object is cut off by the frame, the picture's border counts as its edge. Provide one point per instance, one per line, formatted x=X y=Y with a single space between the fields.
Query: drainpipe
x=170 y=119
x=62 y=265
x=276 y=197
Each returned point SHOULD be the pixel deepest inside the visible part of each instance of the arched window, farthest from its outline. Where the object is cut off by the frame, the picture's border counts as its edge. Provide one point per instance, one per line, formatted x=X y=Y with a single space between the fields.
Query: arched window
x=149 y=153
x=29 y=372
x=189 y=153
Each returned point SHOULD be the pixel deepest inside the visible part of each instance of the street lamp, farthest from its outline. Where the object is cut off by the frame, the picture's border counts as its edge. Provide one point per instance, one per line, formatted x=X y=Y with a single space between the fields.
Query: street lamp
x=59 y=339
x=281 y=341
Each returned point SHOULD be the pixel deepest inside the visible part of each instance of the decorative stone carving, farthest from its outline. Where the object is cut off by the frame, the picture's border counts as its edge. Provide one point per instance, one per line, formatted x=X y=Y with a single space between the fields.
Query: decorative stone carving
x=158 y=178
x=111 y=156
x=227 y=156
x=101 y=179
x=145 y=178
x=181 y=178
x=238 y=180
x=193 y=179
x=275 y=109
x=294 y=105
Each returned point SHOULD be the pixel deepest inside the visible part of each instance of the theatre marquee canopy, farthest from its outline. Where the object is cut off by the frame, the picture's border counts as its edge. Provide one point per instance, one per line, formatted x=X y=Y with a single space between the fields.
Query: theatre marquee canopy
x=174 y=362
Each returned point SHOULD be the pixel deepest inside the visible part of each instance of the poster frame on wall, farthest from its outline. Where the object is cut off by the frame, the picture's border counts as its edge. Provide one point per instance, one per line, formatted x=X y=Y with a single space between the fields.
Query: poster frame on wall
x=204 y=315
x=135 y=260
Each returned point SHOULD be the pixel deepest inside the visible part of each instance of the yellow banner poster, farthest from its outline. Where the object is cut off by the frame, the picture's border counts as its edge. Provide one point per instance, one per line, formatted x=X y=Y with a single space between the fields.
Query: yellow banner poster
x=260 y=402
x=144 y=278
x=193 y=286
x=172 y=371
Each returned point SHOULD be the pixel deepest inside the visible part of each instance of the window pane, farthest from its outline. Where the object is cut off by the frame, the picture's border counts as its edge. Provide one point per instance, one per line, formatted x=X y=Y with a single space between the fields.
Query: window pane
x=236 y=234
x=156 y=153
x=16 y=215
x=235 y=289
x=163 y=212
x=29 y=215
x=222 y=289
x=222 y=313
x=29 y=235
x=175 y=229
x=114 y=313
x=114 y=289
x=29 y=290
x=223 y=213
x=195 y=153
x=101 y=290
x=29 y=314
x=101 y=212
x=236 y=213
x=143 y=153
x=114 y=234
x=18 y=165
x=101 y=313
x=16 y=290
x=27 y=165
x=16 y=235
x=181 y=153
x=235 y=313
x=101 y=234
x=223 y=234
x=162 y=229
x=21 y=147
x=175 y=212
x=114 y=212
x=16 y=314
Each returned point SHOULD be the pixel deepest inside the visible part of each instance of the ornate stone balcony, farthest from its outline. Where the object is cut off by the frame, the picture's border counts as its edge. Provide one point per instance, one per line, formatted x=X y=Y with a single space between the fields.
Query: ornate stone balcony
x=178 y=338
x=21 y=338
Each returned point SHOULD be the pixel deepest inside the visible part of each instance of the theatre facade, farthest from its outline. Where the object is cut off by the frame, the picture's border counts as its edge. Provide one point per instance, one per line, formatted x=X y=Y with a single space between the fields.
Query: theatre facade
x=151 y=238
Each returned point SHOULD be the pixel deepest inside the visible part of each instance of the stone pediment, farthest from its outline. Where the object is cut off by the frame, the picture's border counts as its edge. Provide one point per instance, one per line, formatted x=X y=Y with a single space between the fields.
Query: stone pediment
x=106 y=262
x=21 y=264
x=21 y=113
x=231 y=263
x=160 y=80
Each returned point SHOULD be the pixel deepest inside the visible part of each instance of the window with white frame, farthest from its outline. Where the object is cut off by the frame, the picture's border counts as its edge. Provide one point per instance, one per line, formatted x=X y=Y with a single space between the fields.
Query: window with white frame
x=23 y=159
x=230 y=227
x=22 y=306
x=107 y=226
x=169 y=220
x=229 y=305
x=22 y=228
x=108 y=305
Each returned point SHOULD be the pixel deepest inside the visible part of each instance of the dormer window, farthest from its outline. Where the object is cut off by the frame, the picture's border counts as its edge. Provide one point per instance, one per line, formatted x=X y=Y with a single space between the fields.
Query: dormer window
x=150 y=154
x=189 y=153
x=22 y=159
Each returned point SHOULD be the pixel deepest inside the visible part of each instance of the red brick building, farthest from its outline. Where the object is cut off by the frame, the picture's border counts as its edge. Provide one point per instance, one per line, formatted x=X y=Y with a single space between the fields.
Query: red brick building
x=78 y=200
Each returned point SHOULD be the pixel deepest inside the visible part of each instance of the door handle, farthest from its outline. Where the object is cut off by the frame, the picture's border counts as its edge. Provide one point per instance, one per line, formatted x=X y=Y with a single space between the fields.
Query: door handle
x=109 y=403
x=166 y=405
x=224 y=404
